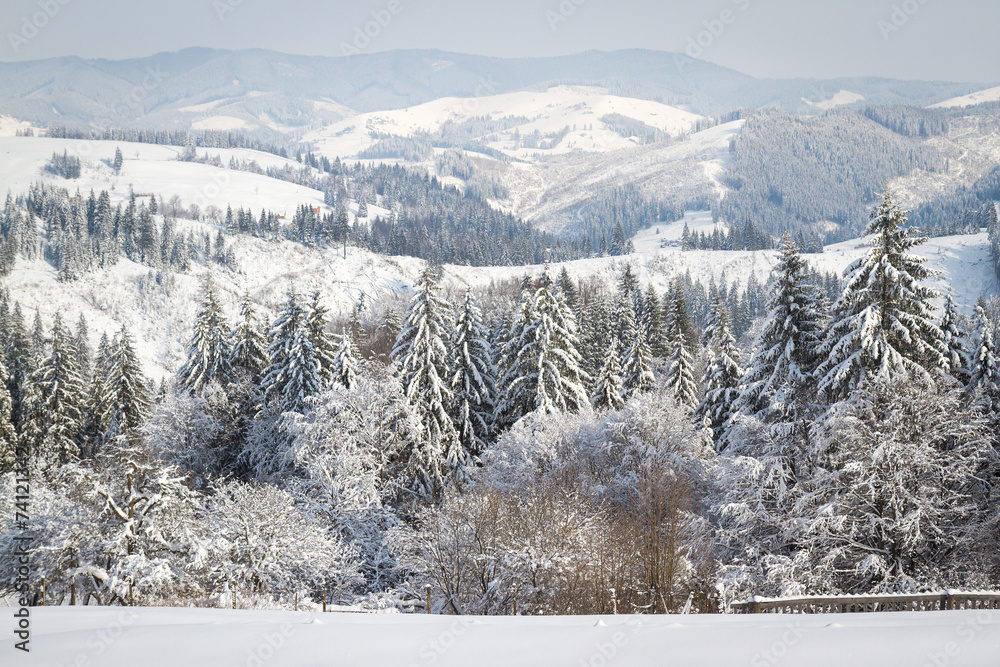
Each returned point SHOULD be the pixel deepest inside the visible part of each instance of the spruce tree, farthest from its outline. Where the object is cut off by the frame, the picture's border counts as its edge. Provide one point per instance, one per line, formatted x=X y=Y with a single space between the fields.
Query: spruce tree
x=294 y=373
x=57 y=400
x=785 y=350
x=954 y=343
x=680 y=366
x=247 y=344
x=473 y=378
x=8 y=434
x=723 y=376
x=545 y=371
x=984 y=380
x=882 y=324
x=81 y=342
x=608 y=388
x=421 y=352
x=124 y=402
x=20 y=365
x=345 y=364
x=324 y=343
x=209 y=351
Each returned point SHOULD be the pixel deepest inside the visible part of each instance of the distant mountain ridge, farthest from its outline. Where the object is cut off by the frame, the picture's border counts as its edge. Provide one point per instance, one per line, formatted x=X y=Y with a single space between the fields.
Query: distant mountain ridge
x=284 y=92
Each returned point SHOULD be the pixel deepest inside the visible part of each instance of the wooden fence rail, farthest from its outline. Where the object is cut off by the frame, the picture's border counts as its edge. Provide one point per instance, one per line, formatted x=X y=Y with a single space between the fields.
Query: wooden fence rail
x=840 y=604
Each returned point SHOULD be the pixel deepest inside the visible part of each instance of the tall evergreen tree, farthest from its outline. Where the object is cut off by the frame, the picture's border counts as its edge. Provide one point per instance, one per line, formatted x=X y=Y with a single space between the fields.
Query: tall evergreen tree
x=8 y=434
x=545 y=371
x=984 y=380
x=608 y=388
x=247 y=344
x=81 y=342
x=125 y=400
x=294 y=373
x=473 y=378
x=209 y=351
x=882 y=324
x=723 y=376
x=680 y=366
x=345 y=364
x=20 y=365
x=324 y=342
x=421 y=352
x=57 y=400
x=785 y=350
x=954 y=343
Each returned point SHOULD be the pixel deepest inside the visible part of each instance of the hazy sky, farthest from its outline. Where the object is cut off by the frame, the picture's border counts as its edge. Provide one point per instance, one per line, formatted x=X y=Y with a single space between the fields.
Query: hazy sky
x=912 y=39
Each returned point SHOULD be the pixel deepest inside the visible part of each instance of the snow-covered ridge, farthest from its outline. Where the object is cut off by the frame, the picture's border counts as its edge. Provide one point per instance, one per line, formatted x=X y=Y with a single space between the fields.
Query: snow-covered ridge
x=546 y=111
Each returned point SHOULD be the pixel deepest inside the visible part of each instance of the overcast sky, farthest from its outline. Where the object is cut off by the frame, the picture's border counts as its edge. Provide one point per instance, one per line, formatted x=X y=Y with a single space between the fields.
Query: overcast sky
x=911 y=39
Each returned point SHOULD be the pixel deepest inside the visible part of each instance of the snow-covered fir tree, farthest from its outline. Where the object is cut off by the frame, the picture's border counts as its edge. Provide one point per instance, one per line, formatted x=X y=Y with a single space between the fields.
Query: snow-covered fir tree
x=473 y=378
x=8 y=435
x=723 y=375
x=882 y=325
x=324 y=342
x=124 y=401
x=544 y=367
x=345 y=363
x=955 y=343
x=608 y=388
x=294 y=373
x=784 y=353
x=57 y=401
x=984 y=367
x=421 y=353
x=248 y=345
x=209 y=352
x=680 y=365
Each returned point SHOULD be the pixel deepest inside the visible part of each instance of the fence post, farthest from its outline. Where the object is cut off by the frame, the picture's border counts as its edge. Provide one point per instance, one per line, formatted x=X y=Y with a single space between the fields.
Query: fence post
x=513 y=590
x=43 y=591
x=428 y=598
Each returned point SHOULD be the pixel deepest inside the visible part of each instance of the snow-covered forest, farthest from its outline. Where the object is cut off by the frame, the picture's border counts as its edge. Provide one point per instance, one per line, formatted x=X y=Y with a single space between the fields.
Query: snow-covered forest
x=583 y=447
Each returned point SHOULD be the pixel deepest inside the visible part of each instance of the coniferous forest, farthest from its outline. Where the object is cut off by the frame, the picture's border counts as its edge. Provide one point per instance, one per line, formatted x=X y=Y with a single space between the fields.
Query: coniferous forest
x=584 y=446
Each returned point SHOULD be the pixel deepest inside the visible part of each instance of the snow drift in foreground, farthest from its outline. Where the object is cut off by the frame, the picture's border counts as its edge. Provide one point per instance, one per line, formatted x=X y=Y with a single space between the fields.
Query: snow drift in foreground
x=118 y=636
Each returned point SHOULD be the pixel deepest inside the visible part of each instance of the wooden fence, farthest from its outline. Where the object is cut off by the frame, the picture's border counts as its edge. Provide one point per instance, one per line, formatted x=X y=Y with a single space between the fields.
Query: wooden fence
x=841 y=604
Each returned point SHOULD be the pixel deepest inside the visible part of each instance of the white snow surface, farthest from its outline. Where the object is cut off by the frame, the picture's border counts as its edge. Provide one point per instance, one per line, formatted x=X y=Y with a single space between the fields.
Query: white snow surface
x=978 y=97
x=124 y=637
x=154 y=168
x=837 y=99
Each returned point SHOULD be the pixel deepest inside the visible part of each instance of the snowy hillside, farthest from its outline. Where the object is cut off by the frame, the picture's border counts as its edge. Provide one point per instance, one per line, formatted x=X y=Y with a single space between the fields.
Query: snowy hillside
x=987 y=95
x=160 y=316
x=544 y=112
x=150 y=168
x=115 y=636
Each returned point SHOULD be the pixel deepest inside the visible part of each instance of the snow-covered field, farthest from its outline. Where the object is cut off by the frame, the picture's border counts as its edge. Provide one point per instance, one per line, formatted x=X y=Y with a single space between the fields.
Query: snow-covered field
x=978 y=97
x=125 y=637
x=154 y=168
